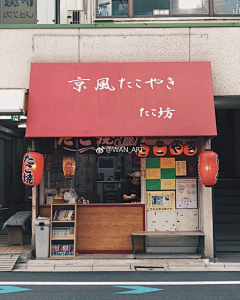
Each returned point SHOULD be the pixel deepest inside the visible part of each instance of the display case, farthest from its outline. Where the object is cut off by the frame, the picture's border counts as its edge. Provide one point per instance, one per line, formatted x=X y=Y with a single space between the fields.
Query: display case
x=63 y=230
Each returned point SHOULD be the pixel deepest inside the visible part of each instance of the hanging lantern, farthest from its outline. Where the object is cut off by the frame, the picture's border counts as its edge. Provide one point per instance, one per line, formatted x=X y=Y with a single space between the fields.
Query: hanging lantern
x=143 y=152
x=69 y=166
x=176 y=148
x=159 y=149
x=32 y=168
x=208 y=165
x=190 y=148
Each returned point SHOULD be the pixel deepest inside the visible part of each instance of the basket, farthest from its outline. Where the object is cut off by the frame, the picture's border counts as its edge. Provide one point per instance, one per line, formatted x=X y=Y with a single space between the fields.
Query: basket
x=58 y=198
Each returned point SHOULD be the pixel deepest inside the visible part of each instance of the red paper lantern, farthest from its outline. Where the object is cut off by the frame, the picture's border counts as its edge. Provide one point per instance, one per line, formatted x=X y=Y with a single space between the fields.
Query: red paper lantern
x=208 y=165
x=176 y=148
x=159 y=149
x=143 y=152
x=32 y=168
x=190 y=148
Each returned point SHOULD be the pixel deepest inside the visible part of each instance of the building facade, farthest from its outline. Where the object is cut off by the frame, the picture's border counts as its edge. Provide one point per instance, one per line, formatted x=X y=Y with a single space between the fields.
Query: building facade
x=127 y=31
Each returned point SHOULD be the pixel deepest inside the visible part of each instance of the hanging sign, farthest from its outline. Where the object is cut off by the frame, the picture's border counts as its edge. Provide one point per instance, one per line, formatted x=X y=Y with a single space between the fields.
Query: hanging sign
x=190 y=148
x=98 y=145
x=159 y=149
x=176 y=148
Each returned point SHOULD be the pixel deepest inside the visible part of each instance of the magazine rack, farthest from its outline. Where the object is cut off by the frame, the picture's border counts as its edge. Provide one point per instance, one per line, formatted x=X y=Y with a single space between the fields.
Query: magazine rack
x=63 y=230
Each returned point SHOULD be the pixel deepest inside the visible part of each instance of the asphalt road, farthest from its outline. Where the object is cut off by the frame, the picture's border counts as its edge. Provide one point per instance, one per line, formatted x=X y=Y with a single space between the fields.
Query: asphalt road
x=106 y=285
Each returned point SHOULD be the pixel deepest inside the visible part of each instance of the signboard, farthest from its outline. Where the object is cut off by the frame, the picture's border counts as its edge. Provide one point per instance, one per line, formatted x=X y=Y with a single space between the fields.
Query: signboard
x=161 y=201
x=18 y=11
x=121 y=99
x=15 y=118
x=186 y=193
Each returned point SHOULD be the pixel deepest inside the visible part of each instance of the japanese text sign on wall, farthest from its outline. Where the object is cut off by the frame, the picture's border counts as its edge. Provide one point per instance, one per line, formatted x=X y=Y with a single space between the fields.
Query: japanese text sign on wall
x=18 y=11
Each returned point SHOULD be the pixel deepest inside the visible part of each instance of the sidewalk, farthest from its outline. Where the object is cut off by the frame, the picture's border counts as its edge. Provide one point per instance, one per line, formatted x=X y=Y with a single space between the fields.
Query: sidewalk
x=148 y=262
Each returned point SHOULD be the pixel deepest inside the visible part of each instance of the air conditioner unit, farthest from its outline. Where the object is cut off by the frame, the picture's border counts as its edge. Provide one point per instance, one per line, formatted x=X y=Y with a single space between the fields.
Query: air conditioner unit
x=74 y=16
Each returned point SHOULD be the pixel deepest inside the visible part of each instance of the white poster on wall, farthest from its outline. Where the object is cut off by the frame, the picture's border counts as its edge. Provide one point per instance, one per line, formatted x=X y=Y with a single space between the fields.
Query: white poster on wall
x=186 y=193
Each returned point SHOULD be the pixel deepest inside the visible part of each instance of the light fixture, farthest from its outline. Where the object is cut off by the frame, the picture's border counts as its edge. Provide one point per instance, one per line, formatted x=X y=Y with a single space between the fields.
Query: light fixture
x=22 y=126
x=188 y=4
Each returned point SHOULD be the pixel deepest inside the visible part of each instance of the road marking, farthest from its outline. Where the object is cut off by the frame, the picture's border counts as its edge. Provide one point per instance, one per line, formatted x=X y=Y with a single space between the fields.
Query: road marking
x=137 y=289
x=11 y=289
x=129 y=283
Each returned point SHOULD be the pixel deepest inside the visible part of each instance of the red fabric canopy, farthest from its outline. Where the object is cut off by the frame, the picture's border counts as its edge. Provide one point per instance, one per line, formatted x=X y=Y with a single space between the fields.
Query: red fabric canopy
x=165 y=99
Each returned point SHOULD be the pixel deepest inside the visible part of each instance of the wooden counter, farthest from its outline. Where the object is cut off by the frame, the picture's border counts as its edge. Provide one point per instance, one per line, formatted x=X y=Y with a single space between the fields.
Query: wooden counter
x=106 y=228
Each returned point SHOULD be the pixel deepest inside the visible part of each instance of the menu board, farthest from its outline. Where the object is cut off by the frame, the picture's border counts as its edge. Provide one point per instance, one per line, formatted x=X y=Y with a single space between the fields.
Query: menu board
x=160 y=173
x=186 y=193
x=181 y=168
x=161 y=201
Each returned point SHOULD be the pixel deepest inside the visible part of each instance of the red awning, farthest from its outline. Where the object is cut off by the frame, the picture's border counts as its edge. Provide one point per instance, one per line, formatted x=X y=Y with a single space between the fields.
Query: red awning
x=165 y=99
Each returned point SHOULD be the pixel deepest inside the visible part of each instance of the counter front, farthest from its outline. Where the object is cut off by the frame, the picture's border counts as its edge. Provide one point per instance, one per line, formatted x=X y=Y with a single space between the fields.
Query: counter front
x=106 y=228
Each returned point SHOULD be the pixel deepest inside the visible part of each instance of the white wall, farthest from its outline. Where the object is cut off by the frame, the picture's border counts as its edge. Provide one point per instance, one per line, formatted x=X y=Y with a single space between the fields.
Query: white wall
x=218 y=45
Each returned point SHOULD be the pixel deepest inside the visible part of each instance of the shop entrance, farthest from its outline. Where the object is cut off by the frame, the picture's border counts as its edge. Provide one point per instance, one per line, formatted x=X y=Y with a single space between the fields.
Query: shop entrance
x=226 y=205
x=98 y=178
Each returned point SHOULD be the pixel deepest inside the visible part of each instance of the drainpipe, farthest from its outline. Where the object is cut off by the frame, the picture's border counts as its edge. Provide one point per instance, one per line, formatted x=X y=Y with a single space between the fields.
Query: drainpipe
x=34 y=207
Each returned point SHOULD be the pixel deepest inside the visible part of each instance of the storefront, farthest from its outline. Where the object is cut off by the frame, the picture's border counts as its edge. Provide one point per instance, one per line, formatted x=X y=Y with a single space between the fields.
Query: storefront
x=100 y=114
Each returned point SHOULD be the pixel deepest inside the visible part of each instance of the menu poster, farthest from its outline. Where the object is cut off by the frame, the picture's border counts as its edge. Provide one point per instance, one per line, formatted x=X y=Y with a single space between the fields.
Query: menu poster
x=167 y=162
x=153 y=174
x=181 y=168
x=186 y=193
x=152 y=163
x=168 y=184
x=153 y=184
x=161 y=201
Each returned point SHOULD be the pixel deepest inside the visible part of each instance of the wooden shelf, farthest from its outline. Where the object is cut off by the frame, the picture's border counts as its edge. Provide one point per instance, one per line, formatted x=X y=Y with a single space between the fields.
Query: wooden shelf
x=62 y=239
x=63 y=221
x=67 y=256
x=71 y=224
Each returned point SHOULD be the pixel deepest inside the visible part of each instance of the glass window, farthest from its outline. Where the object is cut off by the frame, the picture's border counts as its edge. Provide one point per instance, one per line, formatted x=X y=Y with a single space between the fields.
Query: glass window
x=112 y=8
x=151 y=7
x=190 y=7
x=226 y=7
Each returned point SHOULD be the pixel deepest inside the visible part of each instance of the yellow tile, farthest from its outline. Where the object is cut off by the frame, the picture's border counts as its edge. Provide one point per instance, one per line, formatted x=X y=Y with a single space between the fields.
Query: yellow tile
x=153 y=174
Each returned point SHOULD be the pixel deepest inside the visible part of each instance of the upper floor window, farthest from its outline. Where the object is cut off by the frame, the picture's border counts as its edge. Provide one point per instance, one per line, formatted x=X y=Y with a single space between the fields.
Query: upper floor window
x=112 y=8
x=140 y=8
x=226 y=7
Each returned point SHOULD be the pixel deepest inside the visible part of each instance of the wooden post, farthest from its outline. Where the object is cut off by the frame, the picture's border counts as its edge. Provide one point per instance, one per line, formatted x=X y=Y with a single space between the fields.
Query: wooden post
x=143 y=186
x=34 y=207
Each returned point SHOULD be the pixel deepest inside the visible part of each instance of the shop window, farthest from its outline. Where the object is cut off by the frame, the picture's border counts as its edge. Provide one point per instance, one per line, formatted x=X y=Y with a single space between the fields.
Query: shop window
x=112 y=8
x=226 y=7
